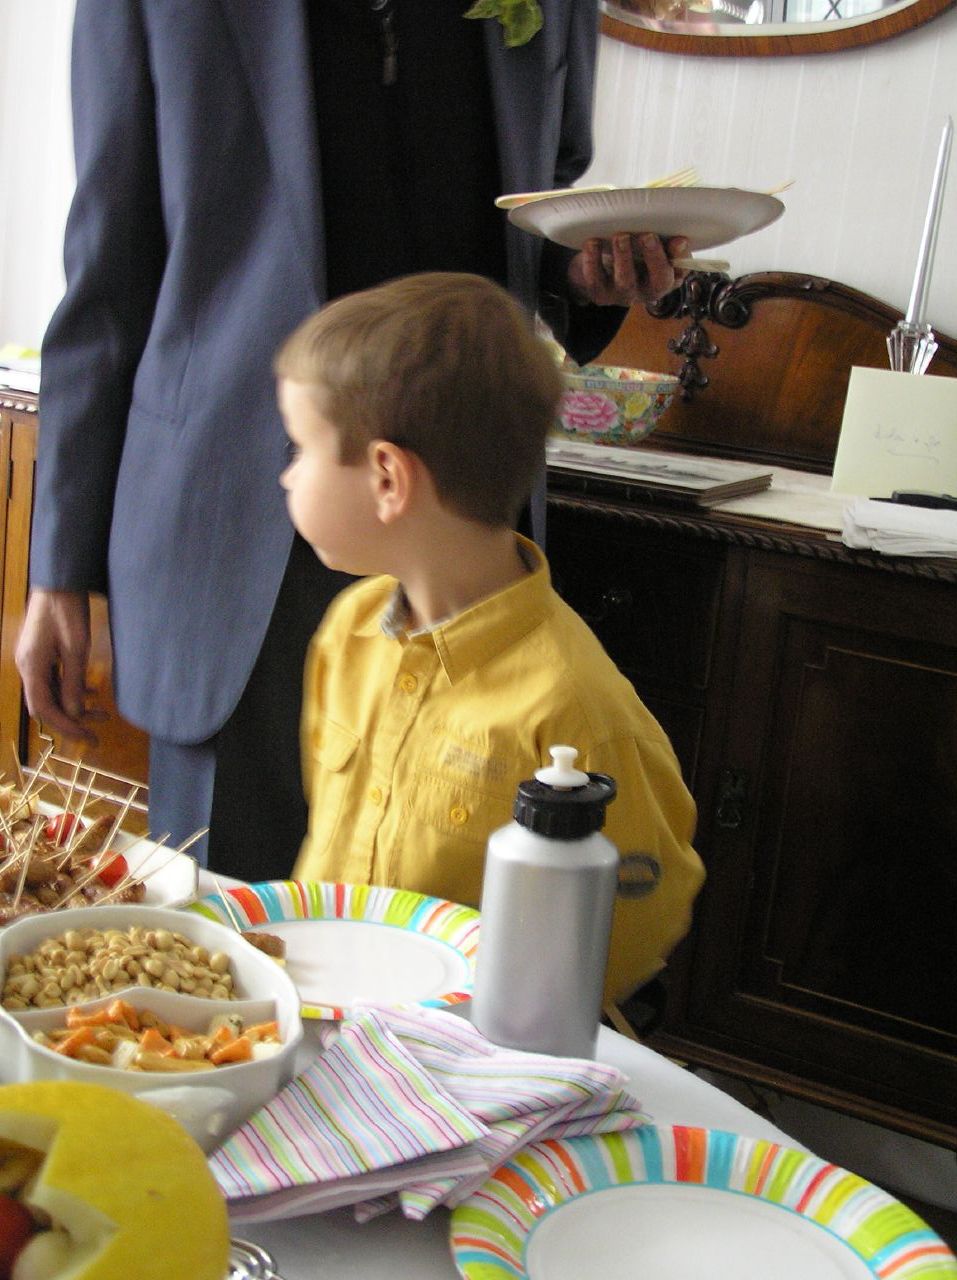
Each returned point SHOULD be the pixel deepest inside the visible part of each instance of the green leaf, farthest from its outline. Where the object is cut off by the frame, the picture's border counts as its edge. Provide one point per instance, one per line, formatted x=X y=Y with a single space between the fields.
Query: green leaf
x=520 y=19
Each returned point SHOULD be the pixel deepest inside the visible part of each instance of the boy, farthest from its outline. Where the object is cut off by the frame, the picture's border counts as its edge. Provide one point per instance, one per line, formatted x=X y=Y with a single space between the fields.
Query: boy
x=418 y=411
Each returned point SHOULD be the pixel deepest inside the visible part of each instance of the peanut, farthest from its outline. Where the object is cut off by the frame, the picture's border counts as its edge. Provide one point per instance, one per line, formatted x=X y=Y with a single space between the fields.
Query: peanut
x=85 y=963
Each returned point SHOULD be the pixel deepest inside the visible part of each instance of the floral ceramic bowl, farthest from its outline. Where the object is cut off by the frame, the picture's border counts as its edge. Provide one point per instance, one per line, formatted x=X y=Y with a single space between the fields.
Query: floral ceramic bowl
x=610 y=405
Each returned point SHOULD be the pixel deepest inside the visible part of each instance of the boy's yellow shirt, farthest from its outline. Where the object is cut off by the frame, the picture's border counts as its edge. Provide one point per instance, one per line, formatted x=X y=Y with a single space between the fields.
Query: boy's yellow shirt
x=414 y=746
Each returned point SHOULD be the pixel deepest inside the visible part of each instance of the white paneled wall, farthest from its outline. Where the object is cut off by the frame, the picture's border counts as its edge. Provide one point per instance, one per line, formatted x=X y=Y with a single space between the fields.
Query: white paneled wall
x=858 y=131
x=36 y=162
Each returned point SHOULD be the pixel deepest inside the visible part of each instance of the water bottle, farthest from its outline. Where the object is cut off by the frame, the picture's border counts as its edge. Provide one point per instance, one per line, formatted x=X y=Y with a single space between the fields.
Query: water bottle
x=547 y=901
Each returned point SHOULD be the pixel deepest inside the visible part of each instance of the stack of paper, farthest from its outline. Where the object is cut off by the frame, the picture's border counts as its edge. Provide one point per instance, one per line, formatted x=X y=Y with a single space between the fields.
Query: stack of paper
x=895 y=529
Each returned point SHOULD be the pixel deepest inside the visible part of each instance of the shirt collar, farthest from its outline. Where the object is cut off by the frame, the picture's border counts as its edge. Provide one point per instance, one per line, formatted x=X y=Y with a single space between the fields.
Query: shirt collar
x=471 y=638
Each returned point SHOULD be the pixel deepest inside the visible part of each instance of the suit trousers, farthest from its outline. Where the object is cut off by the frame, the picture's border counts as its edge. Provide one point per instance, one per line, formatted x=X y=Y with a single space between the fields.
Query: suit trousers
x=245 y=783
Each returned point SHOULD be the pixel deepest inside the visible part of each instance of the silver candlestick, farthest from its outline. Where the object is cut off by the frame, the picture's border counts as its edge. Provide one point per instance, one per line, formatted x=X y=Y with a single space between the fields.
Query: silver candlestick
x=911 y=347
x=911 y=344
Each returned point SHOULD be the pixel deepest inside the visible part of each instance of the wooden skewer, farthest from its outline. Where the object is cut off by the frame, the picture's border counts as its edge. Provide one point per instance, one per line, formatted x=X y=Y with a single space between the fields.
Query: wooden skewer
x=11 y=859
x=191 y=840
x=139 y=873
x=5 y=828
x=27 y=851
x=118 y=820
x=35 y=785
x=227 y=906
x=91 y=874
x=21 y=881
x=75 y=829
x=84 y=799
x=16 y=764
x=79 y=834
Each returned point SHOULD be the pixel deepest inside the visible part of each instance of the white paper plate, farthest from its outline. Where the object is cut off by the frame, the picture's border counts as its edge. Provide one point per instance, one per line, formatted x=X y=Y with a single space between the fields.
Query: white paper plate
x=706 y=216
x=683 y=1203
x=349 y=944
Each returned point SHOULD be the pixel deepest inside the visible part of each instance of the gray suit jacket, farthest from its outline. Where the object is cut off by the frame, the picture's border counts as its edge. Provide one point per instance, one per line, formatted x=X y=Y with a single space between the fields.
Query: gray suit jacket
x=194 y=245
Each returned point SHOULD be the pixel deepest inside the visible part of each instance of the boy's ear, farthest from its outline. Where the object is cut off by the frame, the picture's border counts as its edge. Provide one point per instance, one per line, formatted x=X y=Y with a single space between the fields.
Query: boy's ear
x=392 y=475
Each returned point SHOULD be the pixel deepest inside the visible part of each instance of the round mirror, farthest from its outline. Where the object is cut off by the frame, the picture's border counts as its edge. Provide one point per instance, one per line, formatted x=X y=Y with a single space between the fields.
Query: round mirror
x=747 y=28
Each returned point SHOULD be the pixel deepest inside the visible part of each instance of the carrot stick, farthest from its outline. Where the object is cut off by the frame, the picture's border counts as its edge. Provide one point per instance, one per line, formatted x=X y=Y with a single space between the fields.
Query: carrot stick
x=239 y=1050
x=152 y=1042
x=75 y=1017
x=76 y=1040
x=263 y=1031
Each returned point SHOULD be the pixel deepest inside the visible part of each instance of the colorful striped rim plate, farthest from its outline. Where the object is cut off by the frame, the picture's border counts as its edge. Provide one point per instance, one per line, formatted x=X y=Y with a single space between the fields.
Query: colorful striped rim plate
x=350 y=944
x=678 y=1203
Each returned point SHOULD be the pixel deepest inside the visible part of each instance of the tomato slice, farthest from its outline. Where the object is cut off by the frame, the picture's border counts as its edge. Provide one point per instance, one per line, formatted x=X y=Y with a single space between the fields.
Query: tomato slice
x=16 y=1228
x=111 y=868
x=60 y=827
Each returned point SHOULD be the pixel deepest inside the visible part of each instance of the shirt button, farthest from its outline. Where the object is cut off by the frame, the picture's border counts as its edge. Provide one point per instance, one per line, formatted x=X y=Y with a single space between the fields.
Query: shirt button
x=458 y=816
x=408 y=683
x=375 y=795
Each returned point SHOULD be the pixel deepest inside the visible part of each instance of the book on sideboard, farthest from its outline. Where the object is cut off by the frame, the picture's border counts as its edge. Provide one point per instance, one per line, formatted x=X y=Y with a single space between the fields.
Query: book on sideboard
x=666 y=477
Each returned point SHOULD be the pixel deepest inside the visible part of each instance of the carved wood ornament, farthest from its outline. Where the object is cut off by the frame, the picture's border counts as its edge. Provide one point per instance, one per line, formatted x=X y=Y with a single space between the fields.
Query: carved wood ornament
x=763 y=360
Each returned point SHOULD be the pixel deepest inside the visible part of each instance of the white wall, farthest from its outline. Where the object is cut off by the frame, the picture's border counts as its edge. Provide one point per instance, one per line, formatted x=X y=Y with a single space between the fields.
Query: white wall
x=36 y=162
x=857 y=131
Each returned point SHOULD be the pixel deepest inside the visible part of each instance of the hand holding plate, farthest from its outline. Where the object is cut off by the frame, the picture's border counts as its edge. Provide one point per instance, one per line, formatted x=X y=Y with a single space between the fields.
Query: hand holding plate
x=627 y=268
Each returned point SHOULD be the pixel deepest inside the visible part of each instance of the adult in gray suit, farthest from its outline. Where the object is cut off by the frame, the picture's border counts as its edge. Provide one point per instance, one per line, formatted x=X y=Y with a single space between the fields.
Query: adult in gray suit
x=237 y=164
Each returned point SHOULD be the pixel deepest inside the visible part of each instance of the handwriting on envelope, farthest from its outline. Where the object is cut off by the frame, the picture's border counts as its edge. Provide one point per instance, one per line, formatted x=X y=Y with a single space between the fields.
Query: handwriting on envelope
x=899 y=431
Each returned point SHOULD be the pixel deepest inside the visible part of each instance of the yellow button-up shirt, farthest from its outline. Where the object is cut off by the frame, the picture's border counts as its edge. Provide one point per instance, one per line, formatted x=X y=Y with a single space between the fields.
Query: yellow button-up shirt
x=414 y=746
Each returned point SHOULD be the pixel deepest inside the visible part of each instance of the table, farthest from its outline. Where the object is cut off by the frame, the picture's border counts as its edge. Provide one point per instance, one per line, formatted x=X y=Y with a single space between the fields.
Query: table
x=332 y=1246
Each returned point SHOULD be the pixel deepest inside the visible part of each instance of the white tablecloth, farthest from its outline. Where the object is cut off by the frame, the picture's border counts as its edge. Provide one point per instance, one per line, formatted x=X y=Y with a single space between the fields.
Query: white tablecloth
x=333 y=1246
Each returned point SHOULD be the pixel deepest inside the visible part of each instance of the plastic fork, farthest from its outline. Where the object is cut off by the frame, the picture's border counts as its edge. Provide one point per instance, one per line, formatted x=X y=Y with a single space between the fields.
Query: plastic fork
x=687 y=177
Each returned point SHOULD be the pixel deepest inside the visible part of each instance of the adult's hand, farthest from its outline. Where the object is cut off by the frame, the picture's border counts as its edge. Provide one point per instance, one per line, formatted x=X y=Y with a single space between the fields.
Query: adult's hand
x=52 y=654
x=626 y=269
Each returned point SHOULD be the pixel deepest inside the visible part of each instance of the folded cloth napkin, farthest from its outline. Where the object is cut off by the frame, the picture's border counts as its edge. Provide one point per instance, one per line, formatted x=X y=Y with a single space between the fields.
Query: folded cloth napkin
x=896 y=529
x=362 y=1111
x=409 y=1108
x=521 y=1097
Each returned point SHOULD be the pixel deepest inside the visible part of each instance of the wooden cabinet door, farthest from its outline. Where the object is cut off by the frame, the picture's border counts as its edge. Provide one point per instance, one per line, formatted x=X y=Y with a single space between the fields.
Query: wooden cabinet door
x=122 y=748
x=824 y=938
x=17 y=455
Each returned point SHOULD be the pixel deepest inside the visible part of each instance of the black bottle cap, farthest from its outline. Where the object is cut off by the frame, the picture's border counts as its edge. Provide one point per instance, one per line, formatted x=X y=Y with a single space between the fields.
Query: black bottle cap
x=562 y=813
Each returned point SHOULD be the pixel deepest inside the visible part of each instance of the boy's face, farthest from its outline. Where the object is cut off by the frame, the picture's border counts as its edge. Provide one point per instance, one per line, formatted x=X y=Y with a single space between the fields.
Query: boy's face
x=329 y=502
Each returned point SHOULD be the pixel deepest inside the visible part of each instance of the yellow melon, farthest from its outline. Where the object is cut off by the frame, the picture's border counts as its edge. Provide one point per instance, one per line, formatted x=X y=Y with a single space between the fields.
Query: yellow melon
x=124 y=1181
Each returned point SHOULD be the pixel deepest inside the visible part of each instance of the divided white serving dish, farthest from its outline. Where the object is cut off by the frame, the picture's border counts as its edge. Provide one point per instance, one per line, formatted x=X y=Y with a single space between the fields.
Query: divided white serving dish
x=210 y=1104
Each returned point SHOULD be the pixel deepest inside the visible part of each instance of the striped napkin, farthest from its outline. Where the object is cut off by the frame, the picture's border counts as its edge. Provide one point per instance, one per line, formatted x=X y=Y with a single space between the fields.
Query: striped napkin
x=408 y=1108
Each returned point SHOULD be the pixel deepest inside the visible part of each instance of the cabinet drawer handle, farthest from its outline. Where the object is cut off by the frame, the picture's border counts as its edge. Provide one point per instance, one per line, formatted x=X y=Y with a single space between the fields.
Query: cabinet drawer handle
x=732 y=799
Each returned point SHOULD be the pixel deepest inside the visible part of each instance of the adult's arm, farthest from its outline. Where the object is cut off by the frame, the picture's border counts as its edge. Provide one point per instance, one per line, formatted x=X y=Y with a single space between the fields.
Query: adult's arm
x=114 y=250
x=585 y=295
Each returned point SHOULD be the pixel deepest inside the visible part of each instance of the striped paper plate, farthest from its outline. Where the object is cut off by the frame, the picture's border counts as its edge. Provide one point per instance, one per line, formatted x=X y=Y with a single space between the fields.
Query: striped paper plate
x=348 y=944
x=679 y=1203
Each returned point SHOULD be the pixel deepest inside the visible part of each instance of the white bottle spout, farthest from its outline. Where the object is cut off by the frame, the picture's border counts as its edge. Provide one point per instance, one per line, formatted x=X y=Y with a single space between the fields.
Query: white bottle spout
x=561 y=773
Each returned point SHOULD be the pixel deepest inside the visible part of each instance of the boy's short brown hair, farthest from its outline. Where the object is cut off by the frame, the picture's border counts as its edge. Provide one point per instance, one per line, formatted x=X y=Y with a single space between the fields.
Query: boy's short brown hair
x=446 y=365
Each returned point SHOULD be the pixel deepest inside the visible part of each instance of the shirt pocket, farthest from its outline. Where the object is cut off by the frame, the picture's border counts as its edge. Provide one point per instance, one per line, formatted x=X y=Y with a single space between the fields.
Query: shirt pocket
x=333 y=754
x=459 y=812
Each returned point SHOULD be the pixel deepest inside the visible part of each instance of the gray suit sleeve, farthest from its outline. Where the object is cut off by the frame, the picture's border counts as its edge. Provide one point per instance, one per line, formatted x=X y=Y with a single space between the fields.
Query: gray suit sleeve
x=584 y=331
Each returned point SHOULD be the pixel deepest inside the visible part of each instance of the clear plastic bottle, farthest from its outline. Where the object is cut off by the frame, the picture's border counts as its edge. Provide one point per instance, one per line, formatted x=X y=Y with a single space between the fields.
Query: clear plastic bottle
x=547 y=901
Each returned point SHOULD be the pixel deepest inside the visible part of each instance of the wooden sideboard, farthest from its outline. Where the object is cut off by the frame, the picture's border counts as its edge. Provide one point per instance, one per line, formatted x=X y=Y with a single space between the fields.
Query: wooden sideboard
x=811 y=695
x=122 y=749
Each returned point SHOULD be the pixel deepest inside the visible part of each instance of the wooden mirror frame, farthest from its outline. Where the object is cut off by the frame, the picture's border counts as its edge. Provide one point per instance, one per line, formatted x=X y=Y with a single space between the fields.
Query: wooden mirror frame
x=852 y=35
